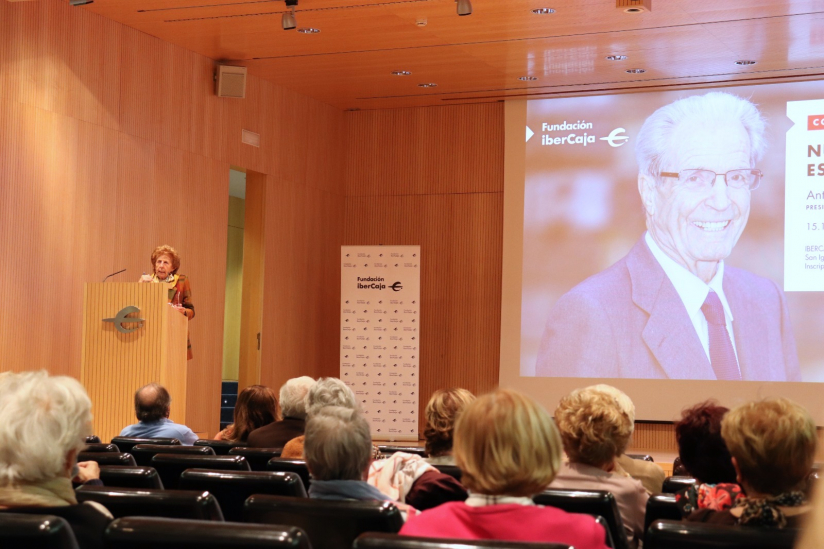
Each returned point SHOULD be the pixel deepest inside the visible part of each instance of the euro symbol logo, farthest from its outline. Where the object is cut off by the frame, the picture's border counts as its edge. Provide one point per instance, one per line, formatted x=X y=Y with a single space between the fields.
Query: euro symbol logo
x=396 y=286
x=614 y=139
x=120 y=319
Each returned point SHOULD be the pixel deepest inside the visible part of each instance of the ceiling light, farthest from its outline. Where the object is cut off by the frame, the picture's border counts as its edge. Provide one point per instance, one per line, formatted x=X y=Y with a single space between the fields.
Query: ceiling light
x=288 y=21
x=543 y=11
x=616 y=57
x=636 y=71
x=464 y=7
x=80 y=2
x=308 y=30
x=429 y=85
x=528 y=78
x=401 y=73
x=745 y=62
x=634 y=10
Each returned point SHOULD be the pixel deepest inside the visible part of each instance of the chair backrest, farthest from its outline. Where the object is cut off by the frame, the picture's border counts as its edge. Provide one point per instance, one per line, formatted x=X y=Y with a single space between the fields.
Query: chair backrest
x=24 y=531
x=812 y=479
x=171 y=466
x=661 y=506
x=452 y=470
x=93 y=439
x=591 y=502
x=127 y=502
x=257 y=457
x=101 y=447
x=221 y=447
x=372 y=540
x=291 y=466
x=671 y=534
x=389 y=449
x=233 y=488
x=143 y=453
x=127 y=443
x=329 y=524
x=673 y=485
x=644 y=457
x=107 y=458
x=162 y=533
x=120 y=476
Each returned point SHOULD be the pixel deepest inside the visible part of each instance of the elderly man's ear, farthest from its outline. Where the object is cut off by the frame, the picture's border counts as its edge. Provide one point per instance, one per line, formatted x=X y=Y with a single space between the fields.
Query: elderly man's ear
x=646 y=188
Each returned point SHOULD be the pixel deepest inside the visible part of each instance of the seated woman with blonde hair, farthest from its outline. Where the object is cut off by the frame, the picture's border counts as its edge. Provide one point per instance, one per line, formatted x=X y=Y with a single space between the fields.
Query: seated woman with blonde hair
x=508 y=450
x=256 y=406
x=441 y=412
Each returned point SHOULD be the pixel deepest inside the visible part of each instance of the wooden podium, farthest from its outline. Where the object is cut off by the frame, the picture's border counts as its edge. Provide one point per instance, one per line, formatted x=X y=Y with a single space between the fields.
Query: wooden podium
x=115 y=364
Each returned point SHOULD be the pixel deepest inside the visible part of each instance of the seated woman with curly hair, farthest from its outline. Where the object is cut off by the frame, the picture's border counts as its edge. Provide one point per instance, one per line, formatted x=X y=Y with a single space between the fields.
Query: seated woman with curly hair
x=595 y=431
x=441 y=412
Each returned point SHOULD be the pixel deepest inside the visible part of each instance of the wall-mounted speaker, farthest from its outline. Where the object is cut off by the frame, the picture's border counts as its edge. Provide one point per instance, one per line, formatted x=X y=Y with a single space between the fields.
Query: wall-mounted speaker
x=230 y=81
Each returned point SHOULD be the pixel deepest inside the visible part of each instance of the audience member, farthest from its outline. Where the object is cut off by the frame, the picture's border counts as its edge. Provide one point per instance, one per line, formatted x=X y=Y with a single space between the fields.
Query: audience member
x=44 y=422
x=508 y=449
x=256 y=406
x=152 y=405
x=293 y=408
x=772 y=443
x=650 y=474
x=704 y=455
x=595 y=431
x=441 y=412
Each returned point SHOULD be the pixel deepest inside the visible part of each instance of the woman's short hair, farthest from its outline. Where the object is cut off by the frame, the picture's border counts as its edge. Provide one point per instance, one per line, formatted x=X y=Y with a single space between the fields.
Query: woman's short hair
x=166 y=250
x=506 y=444
x=338 y=445
x=773 y=442
x=329 y=391
x=256 y=406
x=441 y=412
x=702 y=450
x=293 y=396
x=42 y=420
x=594 y=428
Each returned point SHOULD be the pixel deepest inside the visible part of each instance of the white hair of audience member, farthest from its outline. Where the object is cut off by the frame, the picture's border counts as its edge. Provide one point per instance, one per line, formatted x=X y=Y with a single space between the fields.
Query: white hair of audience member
x=338 y=444
x=714 y=109
x=44 y=422
x=329 y=391
x=624 y=402
x=293 y=395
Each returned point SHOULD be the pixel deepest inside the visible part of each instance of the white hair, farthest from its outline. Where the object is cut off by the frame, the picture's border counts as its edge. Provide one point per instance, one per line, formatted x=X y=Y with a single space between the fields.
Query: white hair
x=329 y=391
x=292 y=396
x=338 y=444
x=624 y=402
x=714 y=109
x=42 y=420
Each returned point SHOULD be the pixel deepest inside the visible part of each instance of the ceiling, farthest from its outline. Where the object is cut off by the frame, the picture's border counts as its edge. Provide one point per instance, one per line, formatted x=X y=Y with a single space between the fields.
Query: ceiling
x=480 y=57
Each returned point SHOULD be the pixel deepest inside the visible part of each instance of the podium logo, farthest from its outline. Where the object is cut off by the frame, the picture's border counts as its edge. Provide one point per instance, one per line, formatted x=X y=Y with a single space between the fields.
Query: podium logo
x=397 y=286
x=815 y=122
x=120 y=319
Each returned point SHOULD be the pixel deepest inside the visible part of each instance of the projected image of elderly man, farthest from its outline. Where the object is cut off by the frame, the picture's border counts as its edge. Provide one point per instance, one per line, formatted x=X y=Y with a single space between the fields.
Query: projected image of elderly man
x=671 y=308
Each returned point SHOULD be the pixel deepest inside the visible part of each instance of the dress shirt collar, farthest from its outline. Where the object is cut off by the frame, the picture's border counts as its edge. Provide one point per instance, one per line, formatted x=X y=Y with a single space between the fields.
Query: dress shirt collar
x=482 y=500
x=691 y=289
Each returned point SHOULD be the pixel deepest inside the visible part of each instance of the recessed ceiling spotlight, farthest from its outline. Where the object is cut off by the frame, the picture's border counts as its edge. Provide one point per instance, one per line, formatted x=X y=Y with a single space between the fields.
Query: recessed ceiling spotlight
x=543 y=11
x=616 y=57
x=634 y=10
x=636 y=71
x=428 y=85
x=528 y=78
x=308 y=30
x=401 y=73
x=745 y=62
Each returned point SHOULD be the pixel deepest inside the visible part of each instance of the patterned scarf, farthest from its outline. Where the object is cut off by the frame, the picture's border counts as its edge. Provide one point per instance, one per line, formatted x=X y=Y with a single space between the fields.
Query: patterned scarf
x=718 y=497
x=766 y=512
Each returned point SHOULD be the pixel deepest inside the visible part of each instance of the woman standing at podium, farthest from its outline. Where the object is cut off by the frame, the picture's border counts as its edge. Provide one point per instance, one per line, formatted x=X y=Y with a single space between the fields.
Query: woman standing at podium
x=165 y=264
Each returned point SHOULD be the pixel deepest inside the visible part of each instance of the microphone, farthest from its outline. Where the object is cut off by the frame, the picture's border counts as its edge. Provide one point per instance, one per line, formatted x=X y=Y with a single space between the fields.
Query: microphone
x=111 y=275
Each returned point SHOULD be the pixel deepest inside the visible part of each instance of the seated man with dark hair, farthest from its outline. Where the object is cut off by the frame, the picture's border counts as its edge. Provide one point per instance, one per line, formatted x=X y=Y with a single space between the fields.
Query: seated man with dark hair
x=152 y=405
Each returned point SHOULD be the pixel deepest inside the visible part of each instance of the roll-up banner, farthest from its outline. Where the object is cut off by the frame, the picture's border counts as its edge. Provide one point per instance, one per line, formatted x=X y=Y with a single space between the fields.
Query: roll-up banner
x=380 y=335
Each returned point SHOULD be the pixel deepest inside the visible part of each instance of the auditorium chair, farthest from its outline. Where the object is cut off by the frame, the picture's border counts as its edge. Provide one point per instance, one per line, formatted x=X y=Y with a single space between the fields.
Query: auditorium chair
x=452 y=470
x=143 y=453
x=812 y=479
x=101 y=447
x=371 y=540
x=107 y=458
x=669 y=534
x=171 y=466
x=329 y=524
x=130 y=477
x=291 y=466
x=94 y=439
x=162 y=533
x=644 y=457
x=25 y=531
x=673 y=485
x=600 y=503
x=221 y=447
x=661 y=506
x=233 y=488
x=389 y=449
x=127 y=443
x=257 y=457
x=127 y=502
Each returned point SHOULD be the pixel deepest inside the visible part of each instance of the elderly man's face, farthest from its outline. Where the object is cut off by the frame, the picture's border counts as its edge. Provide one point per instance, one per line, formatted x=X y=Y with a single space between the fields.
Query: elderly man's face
x=699 y=227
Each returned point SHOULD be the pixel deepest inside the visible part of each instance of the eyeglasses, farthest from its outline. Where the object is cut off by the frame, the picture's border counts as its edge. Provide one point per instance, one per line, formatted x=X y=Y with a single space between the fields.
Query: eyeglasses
x=705 y=179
